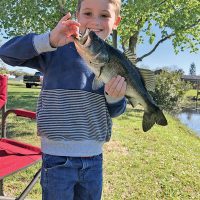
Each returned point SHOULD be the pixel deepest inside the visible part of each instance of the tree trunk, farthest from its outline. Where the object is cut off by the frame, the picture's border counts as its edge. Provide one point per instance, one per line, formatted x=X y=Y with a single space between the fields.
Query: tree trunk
x=133 y=42
x=62 y=4
x=114 y=38
x=132 y=45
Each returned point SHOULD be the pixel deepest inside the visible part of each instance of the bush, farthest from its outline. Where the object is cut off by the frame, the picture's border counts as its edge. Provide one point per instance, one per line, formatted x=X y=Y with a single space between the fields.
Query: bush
x=169 y=91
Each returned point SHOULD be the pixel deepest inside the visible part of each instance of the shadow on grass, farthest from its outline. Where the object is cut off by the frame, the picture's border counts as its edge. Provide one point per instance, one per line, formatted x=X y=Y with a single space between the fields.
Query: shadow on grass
x=12 y=130
x=23 y=100
x=132 y=112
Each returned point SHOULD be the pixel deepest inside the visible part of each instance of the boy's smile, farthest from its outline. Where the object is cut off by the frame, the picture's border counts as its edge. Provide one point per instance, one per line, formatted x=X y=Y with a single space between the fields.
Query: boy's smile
x=98 y=16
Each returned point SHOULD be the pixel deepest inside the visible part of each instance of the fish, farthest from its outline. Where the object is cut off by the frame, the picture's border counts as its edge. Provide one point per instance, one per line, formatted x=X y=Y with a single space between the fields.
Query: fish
x=107 y=62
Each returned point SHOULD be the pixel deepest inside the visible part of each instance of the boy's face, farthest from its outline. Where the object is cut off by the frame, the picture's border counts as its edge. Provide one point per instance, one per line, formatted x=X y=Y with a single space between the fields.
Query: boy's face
x=99 y=16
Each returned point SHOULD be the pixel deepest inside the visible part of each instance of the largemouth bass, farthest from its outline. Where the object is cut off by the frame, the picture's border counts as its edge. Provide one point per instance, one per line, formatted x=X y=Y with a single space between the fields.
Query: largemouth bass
x=107 y=62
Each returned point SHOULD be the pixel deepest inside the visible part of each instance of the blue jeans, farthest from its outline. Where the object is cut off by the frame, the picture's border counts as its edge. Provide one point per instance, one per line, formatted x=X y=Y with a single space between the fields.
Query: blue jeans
x=71 y=178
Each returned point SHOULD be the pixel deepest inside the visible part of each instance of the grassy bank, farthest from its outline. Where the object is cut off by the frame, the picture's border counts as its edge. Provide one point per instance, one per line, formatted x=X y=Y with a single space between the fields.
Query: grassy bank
x=190 y=99
x=163 y=163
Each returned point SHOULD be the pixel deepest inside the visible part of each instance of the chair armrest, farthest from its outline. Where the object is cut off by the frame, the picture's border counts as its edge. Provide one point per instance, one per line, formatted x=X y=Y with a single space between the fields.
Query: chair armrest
x=24 y=113
x=17 y=112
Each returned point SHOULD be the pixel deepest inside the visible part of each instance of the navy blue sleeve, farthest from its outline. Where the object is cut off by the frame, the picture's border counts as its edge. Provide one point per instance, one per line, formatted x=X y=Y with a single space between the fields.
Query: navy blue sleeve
x=20 y=51
x=118 y=108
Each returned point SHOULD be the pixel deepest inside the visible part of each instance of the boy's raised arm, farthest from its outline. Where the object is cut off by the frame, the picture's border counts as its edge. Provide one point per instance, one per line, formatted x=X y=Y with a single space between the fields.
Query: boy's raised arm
x=19 y=50
x=63 y=32
x=25 y=50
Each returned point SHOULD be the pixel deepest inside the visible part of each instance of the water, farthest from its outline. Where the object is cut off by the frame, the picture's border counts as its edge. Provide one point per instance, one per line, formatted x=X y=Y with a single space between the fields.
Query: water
x=191 y=118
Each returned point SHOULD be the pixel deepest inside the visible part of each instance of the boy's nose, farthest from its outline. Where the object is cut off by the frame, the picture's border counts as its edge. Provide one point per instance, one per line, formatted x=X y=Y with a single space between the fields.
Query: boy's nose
x=96 y=21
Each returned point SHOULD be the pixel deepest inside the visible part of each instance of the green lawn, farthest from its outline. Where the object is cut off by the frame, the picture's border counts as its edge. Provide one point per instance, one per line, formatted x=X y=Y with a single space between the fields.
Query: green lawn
x=163 y=163
x=191 y=93
x=189 y=101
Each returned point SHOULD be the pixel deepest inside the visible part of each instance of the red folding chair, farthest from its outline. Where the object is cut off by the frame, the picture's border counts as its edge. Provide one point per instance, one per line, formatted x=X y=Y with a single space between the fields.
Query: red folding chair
x=14 y=155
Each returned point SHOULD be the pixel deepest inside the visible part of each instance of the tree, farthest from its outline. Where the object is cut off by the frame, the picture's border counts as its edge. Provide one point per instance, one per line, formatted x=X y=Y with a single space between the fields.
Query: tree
x=180 y=71
x=177 y=21
x=18 y=73
x=25 y=16
x=4 y=70
x=192 y=70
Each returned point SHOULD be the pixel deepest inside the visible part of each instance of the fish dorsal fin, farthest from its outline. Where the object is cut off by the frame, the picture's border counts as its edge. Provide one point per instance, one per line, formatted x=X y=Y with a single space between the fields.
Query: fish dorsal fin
x=130 y=55
x=149 y=78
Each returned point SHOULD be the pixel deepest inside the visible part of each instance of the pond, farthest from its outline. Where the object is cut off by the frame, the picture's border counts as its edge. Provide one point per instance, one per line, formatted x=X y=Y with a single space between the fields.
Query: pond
x=191 y=118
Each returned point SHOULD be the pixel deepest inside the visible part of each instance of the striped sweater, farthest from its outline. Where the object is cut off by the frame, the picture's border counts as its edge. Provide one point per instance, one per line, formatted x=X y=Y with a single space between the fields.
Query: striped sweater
x=73 y=119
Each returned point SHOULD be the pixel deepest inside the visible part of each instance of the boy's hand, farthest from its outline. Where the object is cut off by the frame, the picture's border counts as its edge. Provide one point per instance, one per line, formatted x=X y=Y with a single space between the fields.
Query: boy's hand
x=62 y=33
x=116 y=87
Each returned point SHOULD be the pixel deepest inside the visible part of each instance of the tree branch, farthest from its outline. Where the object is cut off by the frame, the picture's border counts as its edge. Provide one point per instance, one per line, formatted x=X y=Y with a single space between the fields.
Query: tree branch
x=155 y=47
x=162 y=40
x=124 y=44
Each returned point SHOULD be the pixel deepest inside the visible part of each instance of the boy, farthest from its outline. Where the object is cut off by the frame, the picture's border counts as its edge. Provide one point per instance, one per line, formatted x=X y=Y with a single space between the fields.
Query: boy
x=73 y=119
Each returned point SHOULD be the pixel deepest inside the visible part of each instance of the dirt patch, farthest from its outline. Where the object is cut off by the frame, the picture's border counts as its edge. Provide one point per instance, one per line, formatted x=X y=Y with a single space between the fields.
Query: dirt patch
x=117 y=147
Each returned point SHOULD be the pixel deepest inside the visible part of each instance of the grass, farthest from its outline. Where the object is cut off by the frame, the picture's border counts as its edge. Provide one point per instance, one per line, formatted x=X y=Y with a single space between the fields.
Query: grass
x=189 y=99
x=163 y=163
x=191 y=93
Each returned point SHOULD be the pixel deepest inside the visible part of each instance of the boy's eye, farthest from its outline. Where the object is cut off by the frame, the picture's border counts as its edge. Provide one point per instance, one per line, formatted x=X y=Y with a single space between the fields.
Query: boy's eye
x=104 y=16
x=88 y=13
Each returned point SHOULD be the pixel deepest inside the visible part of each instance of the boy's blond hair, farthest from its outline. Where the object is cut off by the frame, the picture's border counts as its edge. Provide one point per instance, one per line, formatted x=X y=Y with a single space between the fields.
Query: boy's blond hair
x=116 y=3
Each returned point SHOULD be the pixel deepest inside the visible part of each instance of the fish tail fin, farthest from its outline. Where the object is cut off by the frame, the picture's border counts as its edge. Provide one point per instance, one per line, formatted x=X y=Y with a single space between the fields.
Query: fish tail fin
x=150 y=118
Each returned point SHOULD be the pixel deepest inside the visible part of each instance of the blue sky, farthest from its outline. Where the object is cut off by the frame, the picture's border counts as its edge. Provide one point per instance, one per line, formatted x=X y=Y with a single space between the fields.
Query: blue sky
x=163 y=56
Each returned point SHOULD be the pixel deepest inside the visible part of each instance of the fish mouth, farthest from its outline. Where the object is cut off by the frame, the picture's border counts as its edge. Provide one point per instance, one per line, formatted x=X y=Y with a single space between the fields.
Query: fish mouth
x=83 y=44
x=84 y=39
x=88 y=45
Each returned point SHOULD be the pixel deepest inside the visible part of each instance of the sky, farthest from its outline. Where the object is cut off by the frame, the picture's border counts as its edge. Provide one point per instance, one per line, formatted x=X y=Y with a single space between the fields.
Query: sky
x=163 y=56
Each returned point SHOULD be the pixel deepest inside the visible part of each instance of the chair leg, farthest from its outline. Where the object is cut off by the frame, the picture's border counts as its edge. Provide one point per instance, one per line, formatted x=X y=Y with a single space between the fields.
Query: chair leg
x=3 y=122
x=1 y=188
x=30 y=186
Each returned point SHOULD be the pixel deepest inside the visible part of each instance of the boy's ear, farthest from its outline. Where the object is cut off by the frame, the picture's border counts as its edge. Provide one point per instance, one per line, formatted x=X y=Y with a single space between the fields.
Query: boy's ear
x=117 y=21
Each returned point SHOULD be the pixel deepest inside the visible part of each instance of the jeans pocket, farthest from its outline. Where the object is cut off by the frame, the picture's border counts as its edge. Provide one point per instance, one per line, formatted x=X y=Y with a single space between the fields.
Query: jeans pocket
x=52 y=162
x=52 y=170
x=99 y=157
x=97 y=161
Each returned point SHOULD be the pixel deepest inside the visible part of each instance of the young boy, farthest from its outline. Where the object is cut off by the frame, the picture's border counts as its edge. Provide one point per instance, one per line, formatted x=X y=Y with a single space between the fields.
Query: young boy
x=74 y=120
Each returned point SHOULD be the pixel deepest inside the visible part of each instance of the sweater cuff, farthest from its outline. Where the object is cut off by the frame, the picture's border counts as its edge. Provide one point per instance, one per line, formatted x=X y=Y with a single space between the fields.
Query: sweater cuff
x=42 y=44
x=112 y=100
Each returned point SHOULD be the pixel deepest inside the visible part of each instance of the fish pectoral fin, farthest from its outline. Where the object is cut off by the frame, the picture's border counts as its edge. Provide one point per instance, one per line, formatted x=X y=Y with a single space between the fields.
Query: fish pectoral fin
x=132 y=101
x=151 y=118
x=97 y=83
x=149 y=78
x=97 y=66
